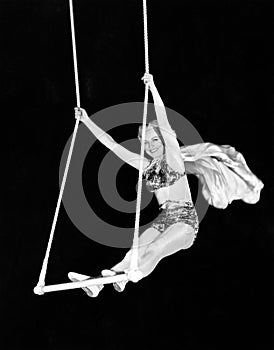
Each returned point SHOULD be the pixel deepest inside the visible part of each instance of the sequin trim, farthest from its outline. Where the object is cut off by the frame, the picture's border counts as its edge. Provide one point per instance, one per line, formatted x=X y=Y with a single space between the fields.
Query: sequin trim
x=159 y=174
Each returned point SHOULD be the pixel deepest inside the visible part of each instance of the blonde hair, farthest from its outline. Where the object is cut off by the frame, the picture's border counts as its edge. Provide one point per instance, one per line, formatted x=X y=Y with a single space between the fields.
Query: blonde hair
x=155 y=126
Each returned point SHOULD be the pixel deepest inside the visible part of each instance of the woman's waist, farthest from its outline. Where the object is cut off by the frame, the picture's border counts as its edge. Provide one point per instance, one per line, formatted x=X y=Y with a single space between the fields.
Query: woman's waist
x=165 y=195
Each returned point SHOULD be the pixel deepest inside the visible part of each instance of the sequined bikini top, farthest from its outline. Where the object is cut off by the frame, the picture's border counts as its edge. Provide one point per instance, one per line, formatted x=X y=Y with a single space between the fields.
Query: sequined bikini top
x=159 y=174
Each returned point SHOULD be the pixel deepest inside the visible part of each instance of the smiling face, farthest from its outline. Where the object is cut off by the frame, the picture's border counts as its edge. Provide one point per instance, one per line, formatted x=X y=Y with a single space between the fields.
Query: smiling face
x=154 y=147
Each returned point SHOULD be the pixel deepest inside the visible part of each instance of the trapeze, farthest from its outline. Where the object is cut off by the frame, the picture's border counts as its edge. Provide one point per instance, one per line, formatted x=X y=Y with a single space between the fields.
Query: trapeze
x=83 y=281
x=232 y=180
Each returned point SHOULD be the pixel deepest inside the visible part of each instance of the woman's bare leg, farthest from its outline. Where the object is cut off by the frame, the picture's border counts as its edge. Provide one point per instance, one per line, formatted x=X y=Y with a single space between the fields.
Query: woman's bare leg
x=145 y=240
x=176 y=237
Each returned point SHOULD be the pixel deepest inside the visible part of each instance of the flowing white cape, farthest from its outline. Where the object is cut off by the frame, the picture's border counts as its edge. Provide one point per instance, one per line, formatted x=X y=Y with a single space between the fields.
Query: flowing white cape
x=223 y=173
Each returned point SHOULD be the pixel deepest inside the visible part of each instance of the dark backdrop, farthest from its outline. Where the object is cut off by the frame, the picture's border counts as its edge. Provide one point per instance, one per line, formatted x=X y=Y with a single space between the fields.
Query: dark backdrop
x=211 y=61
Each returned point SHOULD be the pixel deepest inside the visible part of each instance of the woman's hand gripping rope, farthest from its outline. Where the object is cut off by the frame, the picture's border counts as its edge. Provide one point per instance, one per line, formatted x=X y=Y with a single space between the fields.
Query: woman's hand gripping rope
x=80 y=114
x=148 y=79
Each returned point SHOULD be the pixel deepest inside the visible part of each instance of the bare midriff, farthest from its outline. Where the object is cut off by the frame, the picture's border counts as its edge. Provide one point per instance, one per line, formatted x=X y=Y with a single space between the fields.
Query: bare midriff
x=179 y=191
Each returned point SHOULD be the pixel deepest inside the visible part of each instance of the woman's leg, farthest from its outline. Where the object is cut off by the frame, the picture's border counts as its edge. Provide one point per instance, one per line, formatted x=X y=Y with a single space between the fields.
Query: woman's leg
x=176 y=237
x=146 y=238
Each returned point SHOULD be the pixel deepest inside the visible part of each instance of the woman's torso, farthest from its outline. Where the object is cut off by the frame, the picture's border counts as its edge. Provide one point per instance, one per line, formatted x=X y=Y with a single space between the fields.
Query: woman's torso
x=179 y=188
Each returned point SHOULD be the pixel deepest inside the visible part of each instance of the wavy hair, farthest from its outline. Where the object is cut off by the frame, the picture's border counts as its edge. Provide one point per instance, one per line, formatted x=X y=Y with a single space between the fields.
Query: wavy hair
x=155 y=126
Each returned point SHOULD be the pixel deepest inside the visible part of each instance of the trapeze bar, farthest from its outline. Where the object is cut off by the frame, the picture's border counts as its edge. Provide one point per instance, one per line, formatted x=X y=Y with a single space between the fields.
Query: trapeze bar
x=86 y=283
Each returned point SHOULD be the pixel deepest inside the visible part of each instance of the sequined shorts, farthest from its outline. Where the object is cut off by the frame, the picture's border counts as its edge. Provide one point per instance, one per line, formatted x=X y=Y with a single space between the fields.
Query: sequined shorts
x=176 y=211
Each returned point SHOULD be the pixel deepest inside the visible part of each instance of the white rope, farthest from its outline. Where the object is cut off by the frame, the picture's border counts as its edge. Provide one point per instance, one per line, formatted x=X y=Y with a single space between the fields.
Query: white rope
x=133 y=273
x=42 y=276
x=145 y=35
x=134 y=257
x=74 y=54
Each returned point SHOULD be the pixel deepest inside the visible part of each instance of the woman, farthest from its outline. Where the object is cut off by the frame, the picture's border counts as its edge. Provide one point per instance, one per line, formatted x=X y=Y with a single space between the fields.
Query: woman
x=222 y=171
x=177 y=225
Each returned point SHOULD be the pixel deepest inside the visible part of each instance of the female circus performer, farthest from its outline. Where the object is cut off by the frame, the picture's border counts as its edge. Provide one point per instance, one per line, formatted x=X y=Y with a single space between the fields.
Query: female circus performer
x=165 y=173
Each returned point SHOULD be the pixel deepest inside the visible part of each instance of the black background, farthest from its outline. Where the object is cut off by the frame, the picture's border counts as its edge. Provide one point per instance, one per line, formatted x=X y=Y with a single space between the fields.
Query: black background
x=211 y=62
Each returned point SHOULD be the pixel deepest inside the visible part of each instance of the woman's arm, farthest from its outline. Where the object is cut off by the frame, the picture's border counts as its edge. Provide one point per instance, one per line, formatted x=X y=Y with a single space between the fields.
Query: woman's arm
x=159 y=107
x=168 y=134
x=100 y=134
x=127 y=156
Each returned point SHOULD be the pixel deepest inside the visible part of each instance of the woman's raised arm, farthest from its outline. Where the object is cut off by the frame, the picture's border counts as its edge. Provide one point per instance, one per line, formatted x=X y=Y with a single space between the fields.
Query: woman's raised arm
x=168 y=133
x=127 y=156
x=158 y=103
x=100 y=134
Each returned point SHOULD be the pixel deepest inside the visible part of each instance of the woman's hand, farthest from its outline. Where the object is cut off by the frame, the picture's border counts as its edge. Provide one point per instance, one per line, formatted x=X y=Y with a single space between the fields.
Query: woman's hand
x=148 y=79
x=81 y=114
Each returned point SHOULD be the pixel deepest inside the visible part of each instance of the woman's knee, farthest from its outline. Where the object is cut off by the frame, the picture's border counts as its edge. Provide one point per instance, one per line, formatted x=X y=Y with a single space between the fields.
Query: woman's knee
x=189 y=238
x=187 y=235
x=182 y=235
